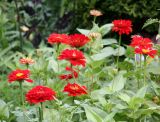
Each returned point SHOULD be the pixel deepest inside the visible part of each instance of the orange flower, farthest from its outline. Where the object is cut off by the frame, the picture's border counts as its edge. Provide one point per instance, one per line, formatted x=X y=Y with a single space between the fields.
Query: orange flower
x=95 y=13
x=75 y=89
x=26 y=60
x=19 y=75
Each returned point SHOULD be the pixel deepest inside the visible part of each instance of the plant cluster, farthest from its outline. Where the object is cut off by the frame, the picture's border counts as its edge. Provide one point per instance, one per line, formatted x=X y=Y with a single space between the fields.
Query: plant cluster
x=84 y=77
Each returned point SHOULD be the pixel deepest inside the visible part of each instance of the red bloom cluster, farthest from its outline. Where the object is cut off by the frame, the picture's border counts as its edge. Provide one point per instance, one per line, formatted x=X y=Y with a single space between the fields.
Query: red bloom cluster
x=146 y=51
x=58 y=38
x=40 y=94
x=78 y=40
x=75 y=89
x=19 y=75
x=143 y=46
x=73 y=74
x=75 y=57
x=139 y=41
x=122 y=26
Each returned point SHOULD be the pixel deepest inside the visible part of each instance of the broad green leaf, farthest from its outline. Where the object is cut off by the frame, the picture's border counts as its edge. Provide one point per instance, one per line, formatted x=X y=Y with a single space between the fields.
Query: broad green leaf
x=155 y=87
x=109 y=118
x=83 y=31
x=141 y=92
x=4 y=111
x=118 y=82
x=51 y=115
x=105 y=52
x=120 y=51
x=154 y=68
x=106 y=28
x=124 y=97
x=108 y=41
x=92 y=115
x=98 y=93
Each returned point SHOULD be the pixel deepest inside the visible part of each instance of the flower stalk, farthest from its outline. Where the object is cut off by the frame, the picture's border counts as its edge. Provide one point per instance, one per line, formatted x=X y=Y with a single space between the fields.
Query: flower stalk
x=21 y=92
x=41 y=112
x=119 y=43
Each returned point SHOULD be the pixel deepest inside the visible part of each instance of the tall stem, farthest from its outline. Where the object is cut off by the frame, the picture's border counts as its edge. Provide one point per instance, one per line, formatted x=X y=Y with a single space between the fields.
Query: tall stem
x=140 y=60
x=144 y=78
x=119 y=43
x=94 y=19
x=21 y=91
x=41 y=112
x=57 y=54
x=73 y=100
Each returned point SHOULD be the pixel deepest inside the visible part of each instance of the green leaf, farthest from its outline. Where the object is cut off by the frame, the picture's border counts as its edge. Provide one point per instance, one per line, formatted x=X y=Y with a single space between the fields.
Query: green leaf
x=51 y=115
x=106 y=28
x=4 y=111
x=108 y=41
x=124 y=97
x=105 y=52
x=83 y=31
x=119 y=52
x=92 y=115
x=109 y=118
x=118 y=82
x=154 y=68
x=141 y=92
x=149 y=22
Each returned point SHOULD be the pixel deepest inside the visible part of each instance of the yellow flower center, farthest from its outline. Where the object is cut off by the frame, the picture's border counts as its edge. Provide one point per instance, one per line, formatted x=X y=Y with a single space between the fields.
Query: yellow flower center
x=74 y=54
x=19 y=74
x=74 y=87
x=145 y=51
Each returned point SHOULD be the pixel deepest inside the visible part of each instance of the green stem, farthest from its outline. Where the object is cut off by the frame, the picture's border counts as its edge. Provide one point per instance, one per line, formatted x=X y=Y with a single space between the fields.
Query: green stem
x=57 y=54
x=144 y=78
x=41 y=112
x=119 y=43
x=140 y=60
x=73 y=100
x=94 y=19
x=21 y=92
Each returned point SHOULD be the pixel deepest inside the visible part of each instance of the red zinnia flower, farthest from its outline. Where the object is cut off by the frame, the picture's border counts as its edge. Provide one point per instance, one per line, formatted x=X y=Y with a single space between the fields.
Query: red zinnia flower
x=26 y=61
x=146 y=51
x=75 y=57
x=40 y=94
x=139 y=41
x=58 y=38
x=73 y=74
x=78 y=40
x=75 y=89
x=19 y=75
x=122 y=26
